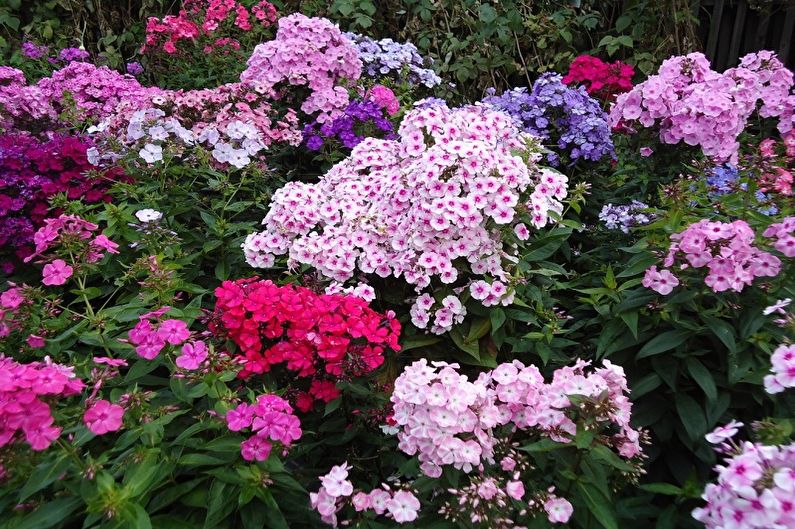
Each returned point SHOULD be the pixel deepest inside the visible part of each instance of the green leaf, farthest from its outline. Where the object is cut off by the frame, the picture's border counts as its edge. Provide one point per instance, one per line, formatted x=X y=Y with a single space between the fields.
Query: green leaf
x=703 y=378
x=487 y=13
x=471 y=348
x=723 y=331
x=415 y=342
x=662 y=488
x=50 y=514
x=141 y=476
x=631 y=321
x=663 y=342
x=599 y=505
x=498 y=317
x=692 y=416
x=43 y=475
x=276 y=519
x=544 y=445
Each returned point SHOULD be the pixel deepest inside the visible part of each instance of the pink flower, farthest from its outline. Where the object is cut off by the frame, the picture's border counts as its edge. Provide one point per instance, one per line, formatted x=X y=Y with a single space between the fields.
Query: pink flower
x=646 y=151
x=558 y=510
x=101 y=241
x=12 y=298
x=515 y=489
x=173 y=331
x=103 y=417
x=722 y=433
x=193 y=354
x=255 y=449
x=361 y=501
x=36 y=342
x=56 y=273
x=403 y=506
x=336 y=481
x=112 y=362
x=662 y=282
x=384 y=98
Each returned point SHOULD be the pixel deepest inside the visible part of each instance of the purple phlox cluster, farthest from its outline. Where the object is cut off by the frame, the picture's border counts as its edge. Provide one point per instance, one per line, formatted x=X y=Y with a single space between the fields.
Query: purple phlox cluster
x=626 y=216
x=270 y=419
x=310 y=52
x=564 y=116
x=690 y=102
x=401 y=62
x=363 y=115
x=444 y=191
x=19 y=102
x=447 y=420
x=728 y=252
x=34 y=51
x=782 y=374
x=723 y=179
x=337 y=489
x=755 y=489
x=134 y=68
x=68 y=55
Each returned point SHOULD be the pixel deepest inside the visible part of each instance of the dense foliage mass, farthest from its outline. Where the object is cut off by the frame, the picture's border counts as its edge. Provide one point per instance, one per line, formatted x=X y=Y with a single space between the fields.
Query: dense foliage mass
x=299 y=283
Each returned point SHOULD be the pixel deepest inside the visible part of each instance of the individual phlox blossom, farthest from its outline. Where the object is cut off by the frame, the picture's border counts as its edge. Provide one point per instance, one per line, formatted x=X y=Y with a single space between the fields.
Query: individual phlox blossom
x=624 y=217
x=723 y=433
x=558 y=509
x=784 y=234
x=601 y=79
x=728 y=252
x=754 y=489
x=316 y=336
x=270 y=420
x=310 y=52
x=689 y=102
x=782 y=374
x=152 y=333
x=431 y=205
x=193 y=355
x=567 y=118
x=400 y=62
x=25 y=393
x=103 y=417
x=56 y=273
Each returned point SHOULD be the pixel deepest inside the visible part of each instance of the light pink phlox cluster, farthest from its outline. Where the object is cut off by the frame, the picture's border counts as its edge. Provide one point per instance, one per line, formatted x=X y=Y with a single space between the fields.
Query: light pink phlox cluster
x=784 y=233
x=782 y=374
x=337 y=489
x=690 y=102
x=271 y=420
x=412 y=207
x=23 y=391
x=755 y=489
x=309 y=52
x=20 y=102
x=151 y=334
x=445 y=314
x=726 y=249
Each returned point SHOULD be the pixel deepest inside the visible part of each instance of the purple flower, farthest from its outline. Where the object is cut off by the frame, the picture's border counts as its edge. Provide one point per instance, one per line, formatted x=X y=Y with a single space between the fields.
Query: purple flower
x=33 y=51
x=361 y=119
x=73 y=54
x=135 y=68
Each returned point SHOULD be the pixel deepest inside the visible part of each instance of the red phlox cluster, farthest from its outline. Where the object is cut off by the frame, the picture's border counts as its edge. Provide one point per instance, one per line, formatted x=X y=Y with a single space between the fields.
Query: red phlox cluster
x=601 y=79
x=318 y=336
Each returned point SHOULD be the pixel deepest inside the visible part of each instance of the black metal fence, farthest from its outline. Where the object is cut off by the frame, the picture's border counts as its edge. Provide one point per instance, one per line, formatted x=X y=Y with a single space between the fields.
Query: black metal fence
x=730 y=29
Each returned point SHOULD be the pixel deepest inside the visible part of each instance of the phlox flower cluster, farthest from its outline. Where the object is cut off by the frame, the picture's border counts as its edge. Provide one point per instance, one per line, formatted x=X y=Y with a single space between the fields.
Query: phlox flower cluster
x=68 y=55
x=26 y=391
x=13 y=304
x=102 y=417
x=689 y=102
x=601 y=79
x=446 y=419
x=782 y=374
x=270 y=419
x=337 y=490
x=726 y=249
x=318 y=336
x=211 y=20
x=626 y=216
x=726 y=178
x=31 y=172
x=784 y=234
x=434 y=203
x=361 y=118
x=776 y=164
x=310 y=53
x=21 y=105
x=566 y=117
x=152 y=333
x=755 y=488
x=34 y=51
x=386 y=58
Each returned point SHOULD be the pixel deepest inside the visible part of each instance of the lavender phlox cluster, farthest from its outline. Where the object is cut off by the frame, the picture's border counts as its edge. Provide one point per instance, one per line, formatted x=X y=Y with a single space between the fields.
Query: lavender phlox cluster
x=445 y=419
x=443 y=192
x=309 y=52
x=565 y=116
x=782 y=375
x=399 y=61
x=722 y=179
x=34 y=51
x=626 y=216
x=689 y=102
x=755 y=488
x=360 y=113
x=68 y=55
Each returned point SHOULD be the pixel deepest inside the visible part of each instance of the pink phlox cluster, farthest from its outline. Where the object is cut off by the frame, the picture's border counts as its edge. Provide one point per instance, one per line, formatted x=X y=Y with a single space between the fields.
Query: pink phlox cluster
x=21 y=103
x=446 y=419
x=152 y=333
x=690 y=102
x=385 y=98
x=726 y=249
x=337 y=490
x=270 y=419
x=309 y=52
x=784 y=234
x=25 y=393
x=445 y=192
x=782 y=374
x=755 y=489
x=13 y=302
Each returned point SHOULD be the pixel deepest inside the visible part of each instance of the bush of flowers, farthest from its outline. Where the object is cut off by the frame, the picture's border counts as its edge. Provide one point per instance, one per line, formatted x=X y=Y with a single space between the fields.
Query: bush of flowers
x=274 y=289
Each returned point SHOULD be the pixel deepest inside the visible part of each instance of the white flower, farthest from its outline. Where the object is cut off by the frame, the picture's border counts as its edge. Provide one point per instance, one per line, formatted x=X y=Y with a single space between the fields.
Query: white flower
x=148 y=215
x=778 y=306
x=158 y=133
x=151 y=153
x=93 y=156
x=722 y=433
x=222 y=151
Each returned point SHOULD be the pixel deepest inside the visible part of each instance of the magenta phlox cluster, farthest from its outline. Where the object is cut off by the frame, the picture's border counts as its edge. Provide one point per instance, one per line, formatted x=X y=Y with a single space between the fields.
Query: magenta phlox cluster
x=26 y=391
x=446 y=419
x=270 y=419
x=152 y=333
x=691 y=103
x=755 y=489
x=726 y=249
x=312 y=53
x=337 y=490
x=782 y=374
x=436 y=203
